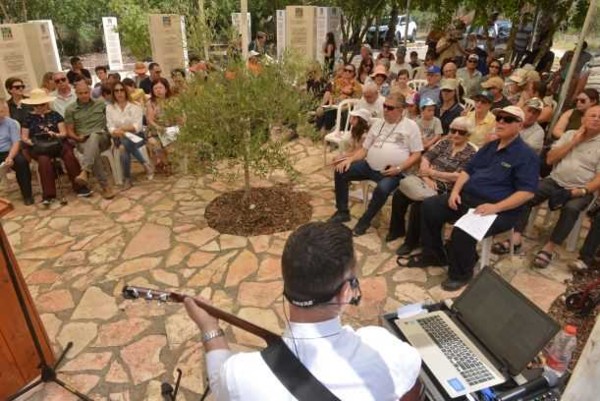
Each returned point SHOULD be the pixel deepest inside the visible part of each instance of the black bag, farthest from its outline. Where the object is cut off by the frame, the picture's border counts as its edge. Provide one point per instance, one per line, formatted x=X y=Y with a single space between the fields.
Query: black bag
x=51 y=147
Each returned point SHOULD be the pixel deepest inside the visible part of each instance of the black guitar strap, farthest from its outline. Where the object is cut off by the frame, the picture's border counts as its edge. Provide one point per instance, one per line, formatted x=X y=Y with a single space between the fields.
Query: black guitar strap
x=294 y=375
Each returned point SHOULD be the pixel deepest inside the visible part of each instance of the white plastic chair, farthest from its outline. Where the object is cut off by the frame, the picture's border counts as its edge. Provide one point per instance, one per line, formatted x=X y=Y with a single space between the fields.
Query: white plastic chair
x=417 y=84
x=339 y=136
x=115 y=163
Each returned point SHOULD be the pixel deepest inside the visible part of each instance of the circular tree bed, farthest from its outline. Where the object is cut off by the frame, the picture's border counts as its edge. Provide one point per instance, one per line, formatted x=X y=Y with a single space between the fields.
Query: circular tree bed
x=264 y=211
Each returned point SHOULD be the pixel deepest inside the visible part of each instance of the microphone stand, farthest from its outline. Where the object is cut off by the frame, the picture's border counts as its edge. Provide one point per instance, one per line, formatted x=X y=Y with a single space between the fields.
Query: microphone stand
x=47 y=372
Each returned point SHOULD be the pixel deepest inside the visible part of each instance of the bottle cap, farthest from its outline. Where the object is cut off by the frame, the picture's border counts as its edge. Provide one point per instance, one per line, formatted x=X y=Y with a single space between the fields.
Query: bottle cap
x=570 y=329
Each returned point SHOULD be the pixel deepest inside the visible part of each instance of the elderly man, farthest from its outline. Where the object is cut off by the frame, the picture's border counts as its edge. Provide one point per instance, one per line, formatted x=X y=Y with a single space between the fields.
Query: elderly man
x=533 y=133
x=432 y=89
x=449 y=70
x=569 y=187
x=10 y=156
x=146 y=83
x=319 y=272
x=86 y=125
x=393 y=145
x=371 y=100
x=64 y=93
x=470 y=77
x=499 y=179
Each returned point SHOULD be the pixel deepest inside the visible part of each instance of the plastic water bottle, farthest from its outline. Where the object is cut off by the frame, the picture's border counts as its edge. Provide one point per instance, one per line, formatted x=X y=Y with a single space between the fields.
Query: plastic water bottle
x=560 y=350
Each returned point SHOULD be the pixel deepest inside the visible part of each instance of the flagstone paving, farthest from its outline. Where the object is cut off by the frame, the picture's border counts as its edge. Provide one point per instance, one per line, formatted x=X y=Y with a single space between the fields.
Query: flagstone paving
x=76 y=259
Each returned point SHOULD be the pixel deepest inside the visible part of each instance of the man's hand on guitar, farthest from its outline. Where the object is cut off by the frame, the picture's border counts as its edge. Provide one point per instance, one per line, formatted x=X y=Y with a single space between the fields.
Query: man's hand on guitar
x=203 y=319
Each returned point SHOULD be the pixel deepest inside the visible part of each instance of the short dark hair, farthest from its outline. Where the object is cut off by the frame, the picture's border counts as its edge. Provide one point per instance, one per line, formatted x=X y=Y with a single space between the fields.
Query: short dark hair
x=100 y=68
x=74 y=60
x=414 y=53
x=106 y=89
x=316 y=260
x=77 y=78
x=403 y=71
x=10 y=81
x=194 y=59
x=165 y=83
x=115 y=75
x=179 y=70
x=592 y=94
x=152 y=66
x=129 y=82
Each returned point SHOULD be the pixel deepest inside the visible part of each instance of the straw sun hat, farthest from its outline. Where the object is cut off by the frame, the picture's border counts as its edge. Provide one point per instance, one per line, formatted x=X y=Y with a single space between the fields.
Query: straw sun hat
x=37 y=97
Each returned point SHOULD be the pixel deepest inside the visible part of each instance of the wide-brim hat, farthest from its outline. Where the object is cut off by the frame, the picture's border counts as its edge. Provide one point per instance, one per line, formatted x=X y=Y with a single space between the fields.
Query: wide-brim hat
x=493 y=82
x=449 y=84
x=510 y=110
x=140 y=68
x=37 y=97
x=379 y=70
x=363 y=114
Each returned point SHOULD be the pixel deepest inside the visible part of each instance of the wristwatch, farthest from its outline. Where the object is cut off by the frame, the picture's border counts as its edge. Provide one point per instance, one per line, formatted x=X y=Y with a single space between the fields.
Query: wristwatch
x=211 y=335
x=585 y=191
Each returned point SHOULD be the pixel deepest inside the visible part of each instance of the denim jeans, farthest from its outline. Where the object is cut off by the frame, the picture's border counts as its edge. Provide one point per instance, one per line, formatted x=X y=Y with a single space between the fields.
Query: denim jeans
x=359 y=171
x=128 y=149
x=592 y=242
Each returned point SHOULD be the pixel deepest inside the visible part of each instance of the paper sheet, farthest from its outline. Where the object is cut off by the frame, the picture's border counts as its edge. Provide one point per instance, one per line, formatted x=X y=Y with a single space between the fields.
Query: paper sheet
x=133 y=137
x=474 y=224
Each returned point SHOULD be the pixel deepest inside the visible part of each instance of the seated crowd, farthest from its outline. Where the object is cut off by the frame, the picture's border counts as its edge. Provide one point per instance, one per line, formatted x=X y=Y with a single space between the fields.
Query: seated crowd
x=470 y=137
x=68 y=120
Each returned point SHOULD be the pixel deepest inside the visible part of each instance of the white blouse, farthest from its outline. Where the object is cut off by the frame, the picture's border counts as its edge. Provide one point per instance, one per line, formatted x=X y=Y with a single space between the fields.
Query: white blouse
x=117 y=117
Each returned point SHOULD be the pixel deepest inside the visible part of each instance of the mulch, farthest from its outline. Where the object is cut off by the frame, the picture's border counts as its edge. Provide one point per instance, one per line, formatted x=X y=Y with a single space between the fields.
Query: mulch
x=266 y=210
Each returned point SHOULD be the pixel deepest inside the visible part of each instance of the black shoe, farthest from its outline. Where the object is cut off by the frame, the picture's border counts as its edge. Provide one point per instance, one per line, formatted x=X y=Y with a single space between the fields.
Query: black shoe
x=453 y=285
x=340 y=217
x=360 y=229
x=393 y=236
x=28 y=201
x=404 y=250
x=84 y=193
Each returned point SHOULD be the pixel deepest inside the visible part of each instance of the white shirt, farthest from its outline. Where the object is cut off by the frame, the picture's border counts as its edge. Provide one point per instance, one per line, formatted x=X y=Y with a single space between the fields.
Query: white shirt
x=61 y=102
x=534 y=137
x=395 y=68
x=375 y=108
x=363 y=365
x=391 y=144
x=132 y=114
x=580 y=165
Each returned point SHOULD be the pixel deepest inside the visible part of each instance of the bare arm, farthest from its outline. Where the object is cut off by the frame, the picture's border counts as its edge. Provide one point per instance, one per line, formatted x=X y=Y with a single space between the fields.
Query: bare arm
x=71 y=132
x=556 y=154
x=546 y=114
x=25 y=135
x=593 y=185
x=561 y=124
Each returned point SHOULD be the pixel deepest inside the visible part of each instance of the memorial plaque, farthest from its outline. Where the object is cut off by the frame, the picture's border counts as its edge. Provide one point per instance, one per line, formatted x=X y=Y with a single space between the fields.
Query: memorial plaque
x=41 y=41
x=301 y=30
x=168 y=41
x=280 y=33
x=15 y=57
x=112 y=42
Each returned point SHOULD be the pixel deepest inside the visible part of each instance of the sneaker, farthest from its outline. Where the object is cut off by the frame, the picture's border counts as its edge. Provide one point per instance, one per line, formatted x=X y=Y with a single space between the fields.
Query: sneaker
x=340 y=217
x=149 y=171
x=82 y=178
x=107 y=193
x=84 y=193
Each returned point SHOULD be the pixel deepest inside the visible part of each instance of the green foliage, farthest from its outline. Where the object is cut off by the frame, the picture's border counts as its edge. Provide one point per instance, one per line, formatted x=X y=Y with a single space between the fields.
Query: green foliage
x=228 y=119
x=133 y=25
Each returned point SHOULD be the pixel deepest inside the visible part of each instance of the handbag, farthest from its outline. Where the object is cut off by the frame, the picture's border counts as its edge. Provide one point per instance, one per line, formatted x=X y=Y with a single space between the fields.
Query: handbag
x=51 y=147
x=295 y=377
x=415 y=188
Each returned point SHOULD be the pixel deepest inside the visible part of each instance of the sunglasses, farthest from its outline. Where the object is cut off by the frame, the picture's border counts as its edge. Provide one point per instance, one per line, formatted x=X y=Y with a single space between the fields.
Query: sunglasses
x=458 y=131
x=507 y=119
x=471 y=61
x=118 y=90
x=59 y=80
x=388 y=107
x=18 y=86
x=581 y=100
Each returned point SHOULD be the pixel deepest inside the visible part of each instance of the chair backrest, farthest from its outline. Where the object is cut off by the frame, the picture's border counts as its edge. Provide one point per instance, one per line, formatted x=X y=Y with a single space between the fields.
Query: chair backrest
x=469 y=102
x=346 y=104
x=417 y=84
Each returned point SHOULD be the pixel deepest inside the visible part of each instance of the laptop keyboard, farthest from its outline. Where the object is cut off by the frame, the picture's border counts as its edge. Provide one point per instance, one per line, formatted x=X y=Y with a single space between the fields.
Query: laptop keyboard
x=463 y=359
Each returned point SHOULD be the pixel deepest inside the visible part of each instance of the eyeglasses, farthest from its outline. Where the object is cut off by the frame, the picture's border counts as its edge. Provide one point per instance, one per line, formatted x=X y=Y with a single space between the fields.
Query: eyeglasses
x=388 y=107
x=471 y=61
x=581 y=100
x=18 y=86
x=507 y=119
x=458 y=131
x=59 y=80
x=118 y=90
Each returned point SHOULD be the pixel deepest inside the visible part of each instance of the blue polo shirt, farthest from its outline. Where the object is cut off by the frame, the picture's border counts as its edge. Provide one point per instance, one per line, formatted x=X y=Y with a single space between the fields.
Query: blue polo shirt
x=497 y=174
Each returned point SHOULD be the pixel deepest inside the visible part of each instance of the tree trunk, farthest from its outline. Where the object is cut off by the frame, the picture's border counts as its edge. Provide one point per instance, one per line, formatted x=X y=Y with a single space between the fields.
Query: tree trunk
x=391 y=33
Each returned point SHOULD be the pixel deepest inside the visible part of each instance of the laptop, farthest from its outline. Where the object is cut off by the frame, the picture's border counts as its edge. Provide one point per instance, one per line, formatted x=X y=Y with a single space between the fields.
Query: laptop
x=490 y=331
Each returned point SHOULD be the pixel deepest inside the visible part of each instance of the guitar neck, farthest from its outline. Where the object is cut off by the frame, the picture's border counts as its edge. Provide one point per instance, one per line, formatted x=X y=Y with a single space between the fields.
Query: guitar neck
x=243 y=324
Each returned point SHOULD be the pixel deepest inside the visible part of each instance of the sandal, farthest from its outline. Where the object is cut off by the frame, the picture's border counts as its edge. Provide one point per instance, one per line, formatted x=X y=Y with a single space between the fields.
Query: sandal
x=419 y=260
x=542 y=259
x=502 y=248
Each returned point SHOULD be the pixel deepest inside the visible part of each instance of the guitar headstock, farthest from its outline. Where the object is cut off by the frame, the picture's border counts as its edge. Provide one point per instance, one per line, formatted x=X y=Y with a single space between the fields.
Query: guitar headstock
x=149 y=294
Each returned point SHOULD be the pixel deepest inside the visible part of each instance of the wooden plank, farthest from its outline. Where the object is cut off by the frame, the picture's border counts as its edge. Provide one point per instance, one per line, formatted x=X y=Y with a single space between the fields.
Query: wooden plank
x=10 y=376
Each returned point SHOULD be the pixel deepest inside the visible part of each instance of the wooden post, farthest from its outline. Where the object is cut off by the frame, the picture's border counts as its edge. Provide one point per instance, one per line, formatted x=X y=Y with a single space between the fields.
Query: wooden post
x=244 y=28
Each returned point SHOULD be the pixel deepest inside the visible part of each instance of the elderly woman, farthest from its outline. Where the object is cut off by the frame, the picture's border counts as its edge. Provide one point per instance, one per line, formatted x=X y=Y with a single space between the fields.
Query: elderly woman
x=440 y=167
x=44 y=127
x=483 y=120
x=124 y=122
x=571 y=119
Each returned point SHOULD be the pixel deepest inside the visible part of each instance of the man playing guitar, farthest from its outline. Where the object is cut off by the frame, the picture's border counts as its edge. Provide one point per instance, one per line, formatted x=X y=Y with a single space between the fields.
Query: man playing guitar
x=319 y=276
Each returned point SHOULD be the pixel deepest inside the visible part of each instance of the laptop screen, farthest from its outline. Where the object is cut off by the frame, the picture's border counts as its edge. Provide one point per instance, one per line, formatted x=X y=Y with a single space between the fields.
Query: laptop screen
x=510 y=326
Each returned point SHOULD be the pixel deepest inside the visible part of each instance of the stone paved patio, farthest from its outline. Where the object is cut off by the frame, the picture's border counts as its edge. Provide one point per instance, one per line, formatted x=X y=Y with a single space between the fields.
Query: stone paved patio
x=76 y=259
